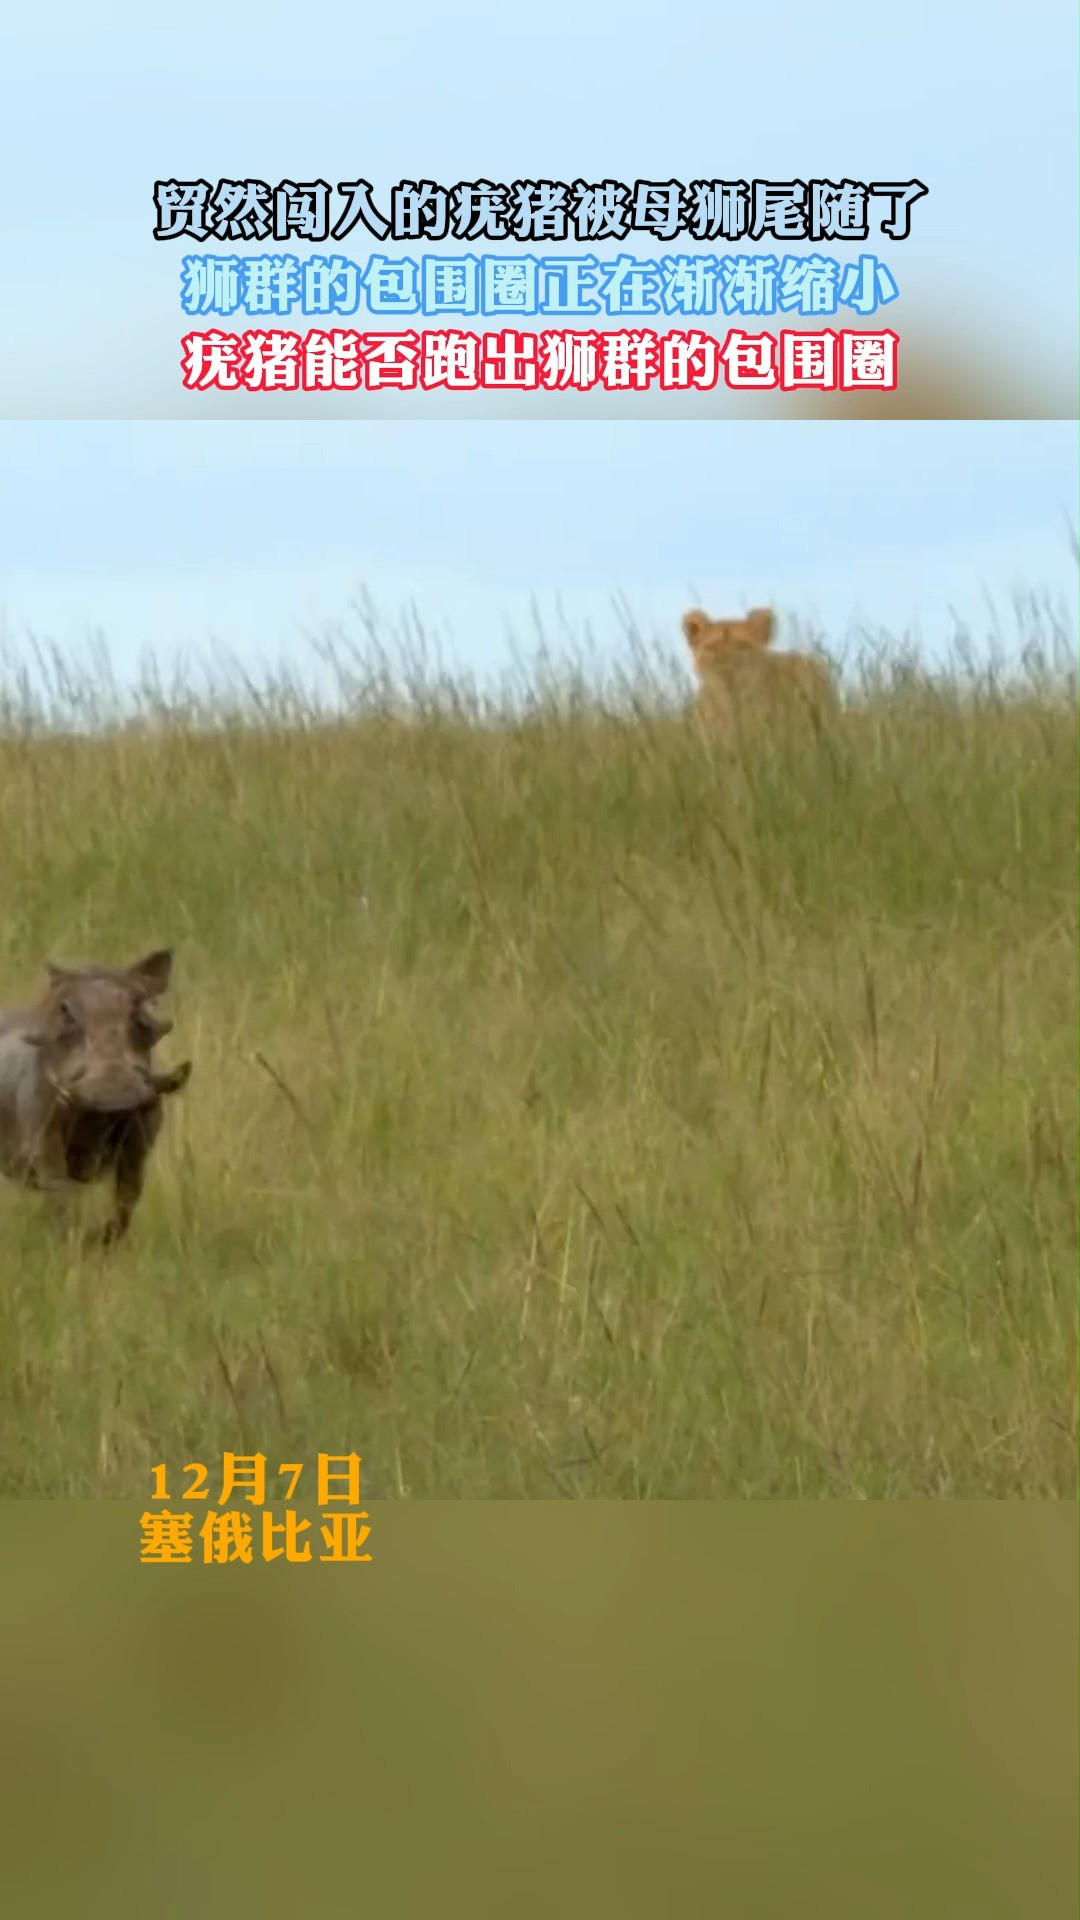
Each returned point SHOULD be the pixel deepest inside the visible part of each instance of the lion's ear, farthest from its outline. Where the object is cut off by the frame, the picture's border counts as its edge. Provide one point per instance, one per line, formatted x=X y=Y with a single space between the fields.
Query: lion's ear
x=760 y=626
x=693 y=624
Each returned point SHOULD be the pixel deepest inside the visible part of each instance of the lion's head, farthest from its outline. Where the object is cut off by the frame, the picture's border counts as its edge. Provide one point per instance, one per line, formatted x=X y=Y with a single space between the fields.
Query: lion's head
x=713 y=641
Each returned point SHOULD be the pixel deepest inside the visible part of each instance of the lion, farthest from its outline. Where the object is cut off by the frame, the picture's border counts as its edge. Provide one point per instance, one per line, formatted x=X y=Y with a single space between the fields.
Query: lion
x=741 y=680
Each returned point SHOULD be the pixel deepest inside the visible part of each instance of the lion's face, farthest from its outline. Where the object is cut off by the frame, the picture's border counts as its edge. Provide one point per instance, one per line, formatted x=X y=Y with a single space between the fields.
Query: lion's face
x=714 y=641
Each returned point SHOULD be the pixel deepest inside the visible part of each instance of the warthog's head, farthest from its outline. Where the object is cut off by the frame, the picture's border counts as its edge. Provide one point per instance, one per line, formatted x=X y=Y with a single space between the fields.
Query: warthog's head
x=96 y=1031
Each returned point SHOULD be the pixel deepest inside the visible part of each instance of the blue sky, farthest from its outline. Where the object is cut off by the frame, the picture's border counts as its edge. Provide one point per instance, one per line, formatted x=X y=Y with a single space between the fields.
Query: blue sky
x=171 y=537
x=975 y=97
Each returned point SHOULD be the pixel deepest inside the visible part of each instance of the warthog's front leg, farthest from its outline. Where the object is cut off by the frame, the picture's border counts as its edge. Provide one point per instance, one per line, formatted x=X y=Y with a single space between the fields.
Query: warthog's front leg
x=129 y=1176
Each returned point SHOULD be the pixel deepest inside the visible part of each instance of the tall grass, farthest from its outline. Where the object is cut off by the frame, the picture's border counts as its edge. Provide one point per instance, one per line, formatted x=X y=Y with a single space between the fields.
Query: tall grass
x=580 y=1108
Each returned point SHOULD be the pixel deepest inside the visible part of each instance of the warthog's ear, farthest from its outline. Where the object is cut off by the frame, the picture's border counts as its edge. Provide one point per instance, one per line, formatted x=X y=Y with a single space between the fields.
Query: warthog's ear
x=54 y=974
x=150 y=975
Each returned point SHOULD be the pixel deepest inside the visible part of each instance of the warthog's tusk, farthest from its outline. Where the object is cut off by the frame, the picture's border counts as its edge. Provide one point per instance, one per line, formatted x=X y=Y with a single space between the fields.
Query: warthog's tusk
x=62 y=1093
x=173 y=1081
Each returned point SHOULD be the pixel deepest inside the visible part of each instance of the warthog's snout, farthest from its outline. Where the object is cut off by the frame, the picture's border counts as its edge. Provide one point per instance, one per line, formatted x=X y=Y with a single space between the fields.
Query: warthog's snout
x=96 y=1091
x=122 y=1092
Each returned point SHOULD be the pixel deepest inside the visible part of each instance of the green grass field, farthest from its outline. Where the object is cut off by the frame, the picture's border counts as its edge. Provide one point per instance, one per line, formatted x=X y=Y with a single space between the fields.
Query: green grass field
x=579 y=1110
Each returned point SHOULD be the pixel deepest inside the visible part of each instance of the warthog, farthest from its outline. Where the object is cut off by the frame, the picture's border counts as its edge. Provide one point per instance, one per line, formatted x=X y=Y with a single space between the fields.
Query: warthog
x=79 y=1095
